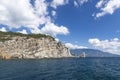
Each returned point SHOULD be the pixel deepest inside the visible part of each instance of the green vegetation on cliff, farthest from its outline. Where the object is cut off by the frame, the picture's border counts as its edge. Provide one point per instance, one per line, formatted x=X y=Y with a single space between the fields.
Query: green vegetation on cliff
x=4 y=36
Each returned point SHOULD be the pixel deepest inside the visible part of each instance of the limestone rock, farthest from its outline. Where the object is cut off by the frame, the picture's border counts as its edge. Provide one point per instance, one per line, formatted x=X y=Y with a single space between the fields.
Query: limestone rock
x=34 y=48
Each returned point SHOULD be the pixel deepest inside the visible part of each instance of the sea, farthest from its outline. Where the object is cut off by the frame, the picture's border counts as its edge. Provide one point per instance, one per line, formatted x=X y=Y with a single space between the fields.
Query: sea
x=61 y=69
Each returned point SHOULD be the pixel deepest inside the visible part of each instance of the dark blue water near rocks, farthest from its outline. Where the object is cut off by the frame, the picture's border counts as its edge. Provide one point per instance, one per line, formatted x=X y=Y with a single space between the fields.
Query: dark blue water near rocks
x=61 y=69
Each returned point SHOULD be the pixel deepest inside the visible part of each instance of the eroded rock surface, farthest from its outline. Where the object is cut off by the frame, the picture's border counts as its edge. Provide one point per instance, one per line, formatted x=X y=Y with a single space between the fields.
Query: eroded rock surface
x=33 y=48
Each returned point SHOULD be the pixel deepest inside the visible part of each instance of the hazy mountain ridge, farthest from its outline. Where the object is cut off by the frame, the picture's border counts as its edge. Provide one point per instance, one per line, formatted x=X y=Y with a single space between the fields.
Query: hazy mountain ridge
x=92 y=53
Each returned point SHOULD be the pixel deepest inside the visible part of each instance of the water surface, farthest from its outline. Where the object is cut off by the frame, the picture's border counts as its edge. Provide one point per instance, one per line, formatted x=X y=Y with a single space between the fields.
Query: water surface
x=61 y=69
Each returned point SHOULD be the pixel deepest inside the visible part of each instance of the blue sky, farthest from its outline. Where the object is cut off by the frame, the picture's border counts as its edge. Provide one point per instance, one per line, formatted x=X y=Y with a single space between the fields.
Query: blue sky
x=77 y=23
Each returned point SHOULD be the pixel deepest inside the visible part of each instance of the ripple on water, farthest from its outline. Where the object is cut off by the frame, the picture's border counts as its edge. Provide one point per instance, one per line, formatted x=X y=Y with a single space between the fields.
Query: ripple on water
x=61 y=69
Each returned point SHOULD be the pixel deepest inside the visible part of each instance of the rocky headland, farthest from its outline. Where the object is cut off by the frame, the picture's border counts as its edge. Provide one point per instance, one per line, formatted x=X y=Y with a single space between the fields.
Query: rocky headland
x=30 y=46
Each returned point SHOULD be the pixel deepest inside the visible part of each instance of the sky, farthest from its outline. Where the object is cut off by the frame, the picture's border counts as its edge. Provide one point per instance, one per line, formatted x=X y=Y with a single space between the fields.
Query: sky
x=76 y=23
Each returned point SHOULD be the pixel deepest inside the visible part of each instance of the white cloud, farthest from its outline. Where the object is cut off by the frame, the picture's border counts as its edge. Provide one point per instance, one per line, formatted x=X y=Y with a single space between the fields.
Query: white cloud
x=41 y=7
x=100 y=4
x=71 y=46
x=15 y=14
x=107 y=7
x=56 y=39
x=53 y=13
x=23 y=32
x=35 y=30
x=52 y=29
x=3 y=29
x=56 y=3
x=81 y=2
x=112 y=46
x=76 y=4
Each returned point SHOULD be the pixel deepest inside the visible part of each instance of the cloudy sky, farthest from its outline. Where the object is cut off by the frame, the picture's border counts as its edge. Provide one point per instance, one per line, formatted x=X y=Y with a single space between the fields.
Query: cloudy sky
x=77 y=23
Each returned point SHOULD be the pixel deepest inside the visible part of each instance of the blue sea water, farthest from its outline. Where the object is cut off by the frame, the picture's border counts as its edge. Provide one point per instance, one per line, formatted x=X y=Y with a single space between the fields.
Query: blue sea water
x=61 y=69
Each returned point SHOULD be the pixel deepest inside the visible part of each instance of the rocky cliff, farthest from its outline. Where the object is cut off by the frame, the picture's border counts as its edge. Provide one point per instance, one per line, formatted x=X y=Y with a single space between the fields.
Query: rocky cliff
x=22 y=46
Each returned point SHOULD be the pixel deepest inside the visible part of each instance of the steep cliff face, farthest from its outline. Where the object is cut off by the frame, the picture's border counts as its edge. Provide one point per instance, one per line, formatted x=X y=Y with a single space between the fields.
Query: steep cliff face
x=29 y=47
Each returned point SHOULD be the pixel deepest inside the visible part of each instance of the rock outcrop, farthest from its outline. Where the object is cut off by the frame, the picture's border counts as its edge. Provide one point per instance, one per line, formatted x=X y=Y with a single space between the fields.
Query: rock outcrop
x=24 y=47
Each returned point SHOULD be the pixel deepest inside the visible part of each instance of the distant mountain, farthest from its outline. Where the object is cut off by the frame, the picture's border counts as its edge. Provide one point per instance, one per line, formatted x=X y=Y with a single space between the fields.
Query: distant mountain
x=92 y=53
